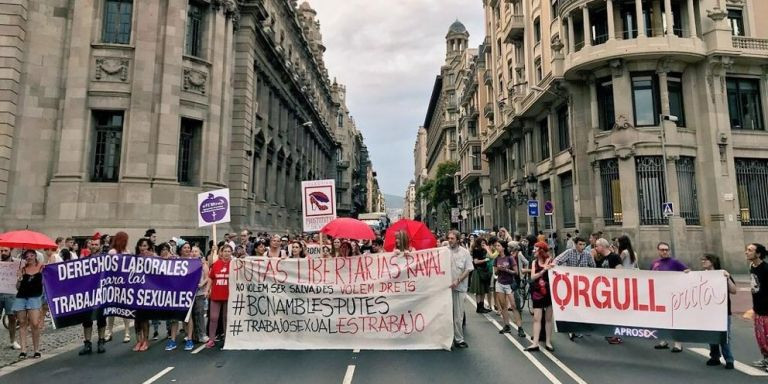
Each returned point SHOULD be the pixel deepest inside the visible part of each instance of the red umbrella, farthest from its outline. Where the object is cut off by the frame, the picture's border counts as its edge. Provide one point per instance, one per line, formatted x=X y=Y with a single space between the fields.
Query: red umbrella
x=419 y=234
x=348 y=228
x=26 y=239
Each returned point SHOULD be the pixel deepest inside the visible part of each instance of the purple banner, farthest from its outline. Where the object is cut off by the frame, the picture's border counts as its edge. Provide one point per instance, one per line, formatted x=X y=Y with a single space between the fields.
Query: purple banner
x=126 y=286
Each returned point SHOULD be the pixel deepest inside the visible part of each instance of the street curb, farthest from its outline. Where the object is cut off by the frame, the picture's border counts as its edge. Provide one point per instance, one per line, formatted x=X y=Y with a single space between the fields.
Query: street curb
x=19 y=364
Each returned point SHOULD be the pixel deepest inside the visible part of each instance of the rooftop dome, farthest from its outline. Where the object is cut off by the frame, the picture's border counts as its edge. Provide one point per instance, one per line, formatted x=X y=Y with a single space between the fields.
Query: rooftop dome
x=457 y=27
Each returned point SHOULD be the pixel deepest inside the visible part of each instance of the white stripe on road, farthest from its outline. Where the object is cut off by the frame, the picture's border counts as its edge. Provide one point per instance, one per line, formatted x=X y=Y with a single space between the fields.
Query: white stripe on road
x=356 y=350
x=198 y=349
x=349 y=374
x=743 y=368
x=159 y=375
x=544 y=371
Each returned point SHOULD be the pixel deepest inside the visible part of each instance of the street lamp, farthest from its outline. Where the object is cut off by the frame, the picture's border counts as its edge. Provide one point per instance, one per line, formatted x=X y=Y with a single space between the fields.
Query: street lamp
x=673 y=119
x=533 y=184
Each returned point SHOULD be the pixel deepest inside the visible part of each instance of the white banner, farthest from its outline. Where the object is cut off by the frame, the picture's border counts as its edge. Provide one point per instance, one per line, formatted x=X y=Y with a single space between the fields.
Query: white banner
x=8 y=276
x=630 y=302
x=318 y=203
x=372 y=301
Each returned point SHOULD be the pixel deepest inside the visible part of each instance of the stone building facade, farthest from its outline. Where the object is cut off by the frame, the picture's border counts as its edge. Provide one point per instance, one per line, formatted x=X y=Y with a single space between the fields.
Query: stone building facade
x=586 y=94
x=117 y=113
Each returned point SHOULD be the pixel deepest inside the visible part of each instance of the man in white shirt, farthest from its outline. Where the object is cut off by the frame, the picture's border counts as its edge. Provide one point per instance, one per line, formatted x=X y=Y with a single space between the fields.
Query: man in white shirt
x=461 y=267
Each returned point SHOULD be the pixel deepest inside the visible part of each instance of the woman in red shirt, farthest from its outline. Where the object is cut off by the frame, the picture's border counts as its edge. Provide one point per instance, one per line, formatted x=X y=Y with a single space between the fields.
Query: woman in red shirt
x=219 y=275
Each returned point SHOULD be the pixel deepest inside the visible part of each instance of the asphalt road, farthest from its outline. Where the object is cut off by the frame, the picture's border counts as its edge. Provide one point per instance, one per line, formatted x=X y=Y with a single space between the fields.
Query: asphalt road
x=490 y=358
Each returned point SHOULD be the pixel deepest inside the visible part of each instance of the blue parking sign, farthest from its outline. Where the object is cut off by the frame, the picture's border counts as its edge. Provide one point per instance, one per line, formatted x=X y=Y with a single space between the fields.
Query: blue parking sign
x=533 y=208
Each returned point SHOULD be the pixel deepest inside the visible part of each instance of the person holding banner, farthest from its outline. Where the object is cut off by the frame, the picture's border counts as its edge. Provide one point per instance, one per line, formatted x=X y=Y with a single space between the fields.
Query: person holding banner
x=29 y=301
x=541 y=297
x=665 y=262
x=7 y=296
x=119 y=245
x=184 y=251
x=219 y=295
x=201 y=295
x=94 y=246
x=711 y=262
x=140 y=324
x=461 y=267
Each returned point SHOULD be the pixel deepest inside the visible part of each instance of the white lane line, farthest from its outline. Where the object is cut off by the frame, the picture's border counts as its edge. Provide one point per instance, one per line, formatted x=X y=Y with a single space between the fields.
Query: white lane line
x=349 y=374
x=743 y=368
x=198 y=349
x=159 y=375
x=568 y=371
x=357 y=350
x=544 y=371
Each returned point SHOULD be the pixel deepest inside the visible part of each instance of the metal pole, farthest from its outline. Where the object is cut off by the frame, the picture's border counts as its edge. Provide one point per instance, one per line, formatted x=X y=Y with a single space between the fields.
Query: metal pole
x=666 y=183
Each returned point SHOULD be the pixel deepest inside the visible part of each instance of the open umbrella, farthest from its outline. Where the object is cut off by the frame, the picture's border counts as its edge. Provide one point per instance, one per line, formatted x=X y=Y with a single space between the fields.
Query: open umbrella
x=348 y=228
x=26 y=239
x=419 y=234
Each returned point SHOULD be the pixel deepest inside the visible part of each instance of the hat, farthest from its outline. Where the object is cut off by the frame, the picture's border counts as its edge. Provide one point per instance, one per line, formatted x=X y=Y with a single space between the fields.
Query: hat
x=284 y=238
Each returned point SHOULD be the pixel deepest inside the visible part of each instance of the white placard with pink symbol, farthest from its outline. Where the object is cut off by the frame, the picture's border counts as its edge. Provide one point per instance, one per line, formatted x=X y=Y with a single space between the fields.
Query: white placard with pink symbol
x=318 y=203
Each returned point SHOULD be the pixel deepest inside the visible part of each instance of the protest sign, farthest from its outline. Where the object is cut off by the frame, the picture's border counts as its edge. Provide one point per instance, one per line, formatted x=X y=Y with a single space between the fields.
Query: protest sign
x=314 y=250
x=372 y=301
x=122 y=286
x=677 y=306
x=8 y=276
x=318 y=203
x=213 y=207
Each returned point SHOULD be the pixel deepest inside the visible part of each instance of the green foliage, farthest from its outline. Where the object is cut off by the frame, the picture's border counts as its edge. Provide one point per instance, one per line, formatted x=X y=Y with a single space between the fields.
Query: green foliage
x=440 y=190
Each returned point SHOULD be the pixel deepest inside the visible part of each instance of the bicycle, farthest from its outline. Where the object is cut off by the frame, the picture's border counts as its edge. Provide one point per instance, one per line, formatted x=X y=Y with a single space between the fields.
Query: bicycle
x=523 y=296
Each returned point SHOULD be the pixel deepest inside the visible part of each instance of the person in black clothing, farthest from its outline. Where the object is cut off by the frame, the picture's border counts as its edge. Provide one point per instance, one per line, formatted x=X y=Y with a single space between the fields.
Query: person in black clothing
x=608 y=259
x=711 y=262
x=758 y=271
x=29 y=301
x=480 y=280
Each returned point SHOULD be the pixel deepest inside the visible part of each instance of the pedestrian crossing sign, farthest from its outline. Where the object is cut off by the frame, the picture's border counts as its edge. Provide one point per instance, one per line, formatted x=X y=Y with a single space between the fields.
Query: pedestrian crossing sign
x=668 y=209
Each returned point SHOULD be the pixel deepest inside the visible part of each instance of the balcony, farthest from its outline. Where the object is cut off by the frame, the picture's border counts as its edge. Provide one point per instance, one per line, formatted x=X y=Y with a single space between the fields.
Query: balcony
x=488 y=110
x=751 y=45
x=647 y=48
x=343 y=164
x=487 y=77
x=514 y=28
x=470 y=175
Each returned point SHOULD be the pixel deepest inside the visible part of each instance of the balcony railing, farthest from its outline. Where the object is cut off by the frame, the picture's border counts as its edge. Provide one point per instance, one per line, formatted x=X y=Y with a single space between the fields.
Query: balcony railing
x=488 y=110
x=487 y=77
x=742 y=42
x=514 y=29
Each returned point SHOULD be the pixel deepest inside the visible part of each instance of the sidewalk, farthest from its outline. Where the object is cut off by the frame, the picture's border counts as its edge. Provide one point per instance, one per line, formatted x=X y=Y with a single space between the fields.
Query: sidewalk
x=742 y=301
x=51 y=340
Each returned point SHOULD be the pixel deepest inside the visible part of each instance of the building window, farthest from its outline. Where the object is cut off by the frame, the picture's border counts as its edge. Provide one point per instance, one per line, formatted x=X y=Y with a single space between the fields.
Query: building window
x=563 y=134
x=736 y=20
x=645 y=100
x=537 y=66
x=476 y=160
x=605 y=109
x=536 y=30
x=686 y=184
x=554 y=9
x=195 y=19
x=744 y=105
x=504 y=166
x=109 y=138
x=651 y=190
x=258 y=150
x=675 y=90
x=188 y=150
x=566 y=197
x=599 y=27
x=751 y=179
x=117 y=21
x=544 y=139
x=628 y=21
x=611 y=188
x=472 y=127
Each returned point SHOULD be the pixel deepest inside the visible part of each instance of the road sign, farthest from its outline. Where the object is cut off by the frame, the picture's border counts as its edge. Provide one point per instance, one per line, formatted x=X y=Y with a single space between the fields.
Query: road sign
x=455 y=212
x=533 y=208
x=668 y=209
x=549 y=208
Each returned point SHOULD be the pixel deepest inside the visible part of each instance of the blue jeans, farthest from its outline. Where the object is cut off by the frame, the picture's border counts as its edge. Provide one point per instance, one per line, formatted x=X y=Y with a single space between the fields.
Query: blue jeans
x=725 y=348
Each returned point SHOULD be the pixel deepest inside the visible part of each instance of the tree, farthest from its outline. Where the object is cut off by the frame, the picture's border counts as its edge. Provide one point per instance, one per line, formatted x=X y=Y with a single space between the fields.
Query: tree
x=439 y=192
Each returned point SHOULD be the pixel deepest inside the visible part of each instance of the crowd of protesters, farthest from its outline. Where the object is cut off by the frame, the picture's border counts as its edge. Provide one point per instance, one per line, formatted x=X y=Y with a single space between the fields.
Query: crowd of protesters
x=501 y=270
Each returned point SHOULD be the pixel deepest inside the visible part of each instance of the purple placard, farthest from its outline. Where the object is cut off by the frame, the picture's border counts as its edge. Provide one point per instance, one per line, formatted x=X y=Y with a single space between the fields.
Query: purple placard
x=121 y=285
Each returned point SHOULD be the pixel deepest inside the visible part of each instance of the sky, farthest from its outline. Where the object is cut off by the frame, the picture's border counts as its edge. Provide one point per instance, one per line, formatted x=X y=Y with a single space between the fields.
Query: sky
x=387 y=53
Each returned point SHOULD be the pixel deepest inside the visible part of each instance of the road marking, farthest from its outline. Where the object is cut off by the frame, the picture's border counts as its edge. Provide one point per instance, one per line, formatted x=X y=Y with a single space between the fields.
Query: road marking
x=349 y=374
x=546 y=353
x=198 y=349
x=743 y=368
x=159 y=375
x=544 y=371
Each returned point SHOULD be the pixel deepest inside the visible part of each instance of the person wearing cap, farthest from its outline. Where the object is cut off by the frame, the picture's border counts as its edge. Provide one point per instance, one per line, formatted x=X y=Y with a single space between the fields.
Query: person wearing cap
x=541 y=298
